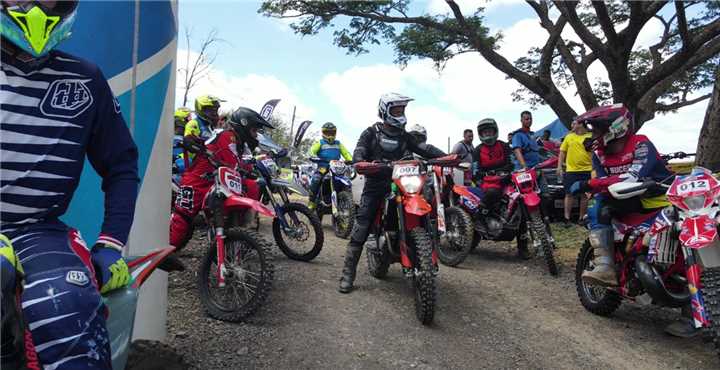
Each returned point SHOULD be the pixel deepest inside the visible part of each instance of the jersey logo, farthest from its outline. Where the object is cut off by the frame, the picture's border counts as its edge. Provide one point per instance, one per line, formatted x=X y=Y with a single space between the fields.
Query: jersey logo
x=78 y=278
x=116 y=105
x=66 y=99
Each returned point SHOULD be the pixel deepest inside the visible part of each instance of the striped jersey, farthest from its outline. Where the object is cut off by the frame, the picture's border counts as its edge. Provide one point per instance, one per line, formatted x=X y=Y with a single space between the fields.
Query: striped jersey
x=51 y=117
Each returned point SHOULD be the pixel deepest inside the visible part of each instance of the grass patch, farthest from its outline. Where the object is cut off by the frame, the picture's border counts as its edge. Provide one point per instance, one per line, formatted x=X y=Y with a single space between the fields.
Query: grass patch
x=568 y=240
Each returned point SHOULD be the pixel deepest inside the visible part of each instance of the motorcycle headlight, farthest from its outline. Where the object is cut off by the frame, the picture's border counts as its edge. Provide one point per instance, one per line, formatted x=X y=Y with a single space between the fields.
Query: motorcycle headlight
x=411 y=184
x=695 y=203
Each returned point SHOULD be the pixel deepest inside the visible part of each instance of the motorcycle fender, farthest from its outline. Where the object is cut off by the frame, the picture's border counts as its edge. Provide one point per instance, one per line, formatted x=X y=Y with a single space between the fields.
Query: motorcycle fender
x=532 y=200
x=709 y=256
x=416 y=205
x=404 y=257
x=242 y=202
x=698 y=232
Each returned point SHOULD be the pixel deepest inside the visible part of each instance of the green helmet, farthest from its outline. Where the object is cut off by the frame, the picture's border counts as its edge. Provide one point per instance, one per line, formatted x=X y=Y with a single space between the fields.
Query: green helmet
x=208 y=101
x=486 y=124
x=182 y=116
x=328 y=131
x=35 y=27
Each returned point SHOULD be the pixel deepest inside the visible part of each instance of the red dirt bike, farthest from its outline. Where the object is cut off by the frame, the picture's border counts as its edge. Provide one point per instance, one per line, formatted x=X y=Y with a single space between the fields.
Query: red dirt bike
x=236 y=273
x=670 y=257
x=517 y=214
x=403 y=229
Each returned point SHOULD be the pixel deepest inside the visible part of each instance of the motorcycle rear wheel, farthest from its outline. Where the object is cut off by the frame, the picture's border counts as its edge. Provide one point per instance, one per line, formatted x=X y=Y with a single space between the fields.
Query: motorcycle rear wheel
x=247 y=256
x=598 y=300
x=424 y=281
x=459 y=237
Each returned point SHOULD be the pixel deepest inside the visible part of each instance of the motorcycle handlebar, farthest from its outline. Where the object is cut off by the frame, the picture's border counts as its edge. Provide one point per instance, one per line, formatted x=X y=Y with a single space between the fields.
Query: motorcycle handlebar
x=676 y=155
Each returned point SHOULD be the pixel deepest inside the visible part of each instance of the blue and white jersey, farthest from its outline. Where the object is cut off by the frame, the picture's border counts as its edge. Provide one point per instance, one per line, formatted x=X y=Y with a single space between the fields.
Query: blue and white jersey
x=51 y=117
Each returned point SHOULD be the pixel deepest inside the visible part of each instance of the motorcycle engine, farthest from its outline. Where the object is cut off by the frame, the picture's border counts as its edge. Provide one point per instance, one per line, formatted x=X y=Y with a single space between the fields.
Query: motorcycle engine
x=494 y=226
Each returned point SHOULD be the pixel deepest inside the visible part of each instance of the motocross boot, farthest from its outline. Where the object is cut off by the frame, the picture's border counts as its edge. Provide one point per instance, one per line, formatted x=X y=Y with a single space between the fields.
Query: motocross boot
x=352 y=256
x=604 y=273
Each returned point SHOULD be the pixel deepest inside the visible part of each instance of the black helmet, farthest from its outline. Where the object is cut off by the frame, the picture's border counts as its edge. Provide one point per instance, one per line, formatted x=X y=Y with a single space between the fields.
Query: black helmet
x=485 y=124
x=243 y=119
x=328 y=131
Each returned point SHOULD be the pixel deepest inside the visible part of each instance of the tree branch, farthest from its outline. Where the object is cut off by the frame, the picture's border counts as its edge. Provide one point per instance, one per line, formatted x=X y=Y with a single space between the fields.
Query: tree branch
x=660 y=107
x=606 y=23
x=682 y=22
x=567 y=8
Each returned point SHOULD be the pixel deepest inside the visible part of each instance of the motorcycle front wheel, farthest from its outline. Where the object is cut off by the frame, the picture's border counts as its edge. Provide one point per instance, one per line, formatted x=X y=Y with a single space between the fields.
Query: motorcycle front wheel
x=711 y=296
x=540 y=232
x=459 y=237
x=344 y=222
x=425 y=278
x=303 y=239
x=248 y=279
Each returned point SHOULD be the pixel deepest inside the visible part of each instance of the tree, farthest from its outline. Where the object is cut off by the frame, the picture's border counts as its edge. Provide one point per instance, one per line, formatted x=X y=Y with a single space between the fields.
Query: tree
x=708 y=149
x=661 y=78
x=200 y=66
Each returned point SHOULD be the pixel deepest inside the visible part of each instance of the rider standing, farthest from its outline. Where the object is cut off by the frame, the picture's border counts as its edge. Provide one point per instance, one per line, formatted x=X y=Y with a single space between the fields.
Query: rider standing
x=57 y=110
x=326 y=149
x=383 y=141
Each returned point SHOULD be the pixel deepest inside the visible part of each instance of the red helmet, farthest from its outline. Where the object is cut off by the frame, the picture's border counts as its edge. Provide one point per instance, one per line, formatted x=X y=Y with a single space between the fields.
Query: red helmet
x=606 y=123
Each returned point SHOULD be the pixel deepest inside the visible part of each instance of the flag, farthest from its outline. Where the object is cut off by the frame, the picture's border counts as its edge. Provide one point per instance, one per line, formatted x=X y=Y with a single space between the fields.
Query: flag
x=301 y=132
x=267 y=109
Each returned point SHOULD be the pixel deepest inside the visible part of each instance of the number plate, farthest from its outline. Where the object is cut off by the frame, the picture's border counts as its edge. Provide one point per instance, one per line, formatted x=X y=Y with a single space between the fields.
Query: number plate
x=233 y=183
x=524 y=177
x=400 y=171
x=690 y=186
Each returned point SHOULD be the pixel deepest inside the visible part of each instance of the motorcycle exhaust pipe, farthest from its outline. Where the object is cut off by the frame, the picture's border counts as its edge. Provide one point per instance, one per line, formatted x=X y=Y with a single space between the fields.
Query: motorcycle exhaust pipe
x=653 y=284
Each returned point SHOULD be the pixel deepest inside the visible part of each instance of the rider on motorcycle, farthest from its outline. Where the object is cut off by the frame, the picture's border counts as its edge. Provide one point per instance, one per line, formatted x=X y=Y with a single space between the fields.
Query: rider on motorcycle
x=56 y=108
x=388 y=141
x=327 y=149
x=493 y=155
x=200 y=129
x=227 y=148
x=619 y=155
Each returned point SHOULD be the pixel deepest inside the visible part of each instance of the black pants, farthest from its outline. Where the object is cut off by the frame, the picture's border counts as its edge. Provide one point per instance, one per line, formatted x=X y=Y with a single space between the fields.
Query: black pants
x=372 y=198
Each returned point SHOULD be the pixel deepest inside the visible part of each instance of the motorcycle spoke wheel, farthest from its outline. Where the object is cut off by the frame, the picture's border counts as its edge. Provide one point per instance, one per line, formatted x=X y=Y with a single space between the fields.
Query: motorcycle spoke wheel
x=596 y=299
x=304 y=238
x=248 y=277
x=345 y=220
x=459 y=234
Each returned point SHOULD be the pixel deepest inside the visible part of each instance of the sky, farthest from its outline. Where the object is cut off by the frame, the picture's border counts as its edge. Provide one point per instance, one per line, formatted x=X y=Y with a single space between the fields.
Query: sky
x=261 y=58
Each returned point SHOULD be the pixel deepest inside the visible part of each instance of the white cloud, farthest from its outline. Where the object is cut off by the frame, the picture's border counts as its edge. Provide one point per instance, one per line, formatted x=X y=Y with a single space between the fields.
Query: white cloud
x=251 y=90
x=469 y=6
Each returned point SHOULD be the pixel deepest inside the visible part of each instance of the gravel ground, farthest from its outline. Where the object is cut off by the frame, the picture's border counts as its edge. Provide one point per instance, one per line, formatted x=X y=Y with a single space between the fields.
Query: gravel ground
x=493 y=312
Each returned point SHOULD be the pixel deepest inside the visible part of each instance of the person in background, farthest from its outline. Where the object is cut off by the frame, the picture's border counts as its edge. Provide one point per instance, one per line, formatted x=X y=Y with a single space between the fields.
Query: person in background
x=182 y=117
x=578 y=165
x=548 y=143
x=464 y=150
x=525 y=148
x=327 y=149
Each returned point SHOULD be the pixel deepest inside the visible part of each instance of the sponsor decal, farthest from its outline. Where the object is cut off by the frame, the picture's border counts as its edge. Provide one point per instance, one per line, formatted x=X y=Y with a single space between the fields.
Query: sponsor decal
x=66 y=99
x=78 y=278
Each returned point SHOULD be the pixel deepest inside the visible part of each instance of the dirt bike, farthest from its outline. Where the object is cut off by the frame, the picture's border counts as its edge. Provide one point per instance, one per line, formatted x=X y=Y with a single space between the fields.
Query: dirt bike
x=335 y=195
x=121 y=305
x=517 y=214
x=294 y=223
x=669 y=257
x=403 y=228
x=237 y=263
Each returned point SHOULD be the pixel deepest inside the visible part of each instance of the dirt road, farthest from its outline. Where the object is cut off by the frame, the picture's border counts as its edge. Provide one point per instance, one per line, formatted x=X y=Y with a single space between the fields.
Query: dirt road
x=493 y=312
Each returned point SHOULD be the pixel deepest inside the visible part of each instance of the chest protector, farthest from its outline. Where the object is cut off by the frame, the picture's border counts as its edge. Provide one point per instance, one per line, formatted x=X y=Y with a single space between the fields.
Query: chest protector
x=329 y=151
x=491 y=156
x=389 y=147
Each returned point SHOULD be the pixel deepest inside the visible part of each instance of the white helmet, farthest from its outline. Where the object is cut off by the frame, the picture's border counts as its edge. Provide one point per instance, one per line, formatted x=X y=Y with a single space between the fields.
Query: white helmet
x=388 y=101
x=419 y=132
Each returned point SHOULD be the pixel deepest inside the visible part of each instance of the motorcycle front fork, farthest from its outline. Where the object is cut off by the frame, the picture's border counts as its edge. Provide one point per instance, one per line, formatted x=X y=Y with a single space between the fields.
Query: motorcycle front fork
x=697 y=304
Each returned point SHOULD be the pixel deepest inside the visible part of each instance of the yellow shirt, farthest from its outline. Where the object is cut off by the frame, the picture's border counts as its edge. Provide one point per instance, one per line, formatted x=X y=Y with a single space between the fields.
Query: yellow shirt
x=577 y=159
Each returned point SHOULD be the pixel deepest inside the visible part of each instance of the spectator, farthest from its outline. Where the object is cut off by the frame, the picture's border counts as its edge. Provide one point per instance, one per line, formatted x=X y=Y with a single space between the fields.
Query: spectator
x=464 y=150
x=525 y=148
x=578 y=166
x=545 y=137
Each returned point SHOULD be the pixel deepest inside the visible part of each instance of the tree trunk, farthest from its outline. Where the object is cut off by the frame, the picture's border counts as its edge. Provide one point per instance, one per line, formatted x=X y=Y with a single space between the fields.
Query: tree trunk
x=708 y=149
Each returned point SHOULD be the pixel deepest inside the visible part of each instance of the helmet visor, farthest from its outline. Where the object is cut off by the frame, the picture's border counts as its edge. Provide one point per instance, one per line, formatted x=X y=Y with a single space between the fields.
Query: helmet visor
x=397 y=111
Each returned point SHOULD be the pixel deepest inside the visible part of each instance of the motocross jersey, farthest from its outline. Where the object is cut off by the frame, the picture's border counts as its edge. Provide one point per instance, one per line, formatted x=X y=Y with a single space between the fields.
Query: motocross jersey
x=224 y=148
x=198 y=127
x=51 y=118
x=329 y=151
x=637 y=160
